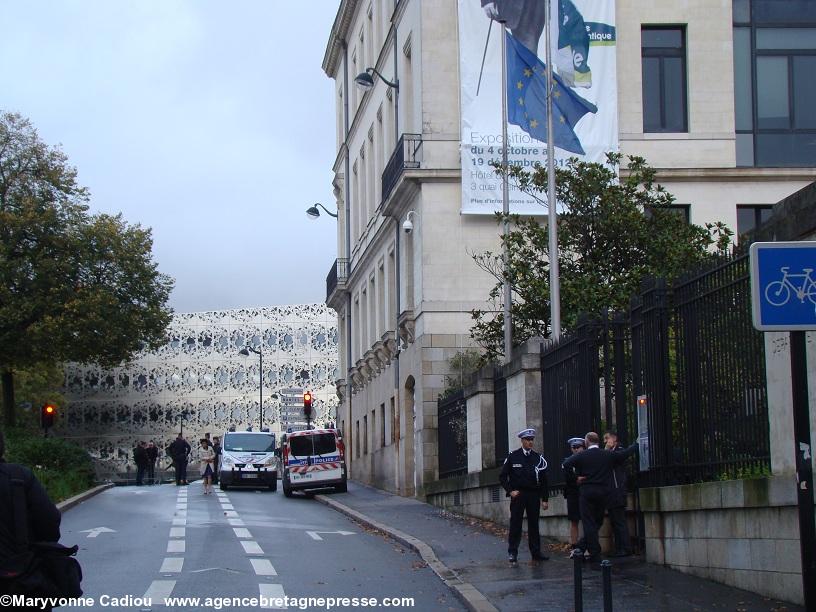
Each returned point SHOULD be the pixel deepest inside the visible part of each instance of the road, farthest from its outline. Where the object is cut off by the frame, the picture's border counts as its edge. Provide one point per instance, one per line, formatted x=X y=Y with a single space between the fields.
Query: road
x=170 y=542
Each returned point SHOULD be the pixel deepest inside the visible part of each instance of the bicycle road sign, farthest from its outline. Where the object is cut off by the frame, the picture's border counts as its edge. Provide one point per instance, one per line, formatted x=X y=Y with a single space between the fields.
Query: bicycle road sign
x=783 y=285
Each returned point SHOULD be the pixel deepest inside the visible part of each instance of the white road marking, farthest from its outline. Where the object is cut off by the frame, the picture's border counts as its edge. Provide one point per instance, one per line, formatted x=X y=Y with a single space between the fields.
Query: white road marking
x=175 y=546
x=227 y=507
x=236 y=522
x=159 y=590
x=242 y=532
x=172 y=565
x=314 y=536
x=230 y=514
x=177 y=532
x=263 y=567
x=180 y=521
x=92 y=533
x=251 y=548
x=272 y=591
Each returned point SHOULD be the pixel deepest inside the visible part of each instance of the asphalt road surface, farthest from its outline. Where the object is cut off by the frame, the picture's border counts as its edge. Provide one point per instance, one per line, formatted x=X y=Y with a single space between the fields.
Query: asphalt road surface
x=162 y=542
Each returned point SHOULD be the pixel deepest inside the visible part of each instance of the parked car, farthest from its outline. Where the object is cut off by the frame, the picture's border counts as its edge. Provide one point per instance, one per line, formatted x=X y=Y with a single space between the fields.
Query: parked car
x=248 y=459
x=313 y=459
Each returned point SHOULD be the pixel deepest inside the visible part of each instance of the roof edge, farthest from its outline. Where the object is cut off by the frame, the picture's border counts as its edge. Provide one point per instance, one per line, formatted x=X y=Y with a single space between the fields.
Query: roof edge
x=337 y=36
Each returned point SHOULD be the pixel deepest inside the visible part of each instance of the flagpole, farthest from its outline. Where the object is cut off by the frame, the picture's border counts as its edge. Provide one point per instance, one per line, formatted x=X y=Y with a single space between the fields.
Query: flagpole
x=552 y=225
x=508 y=324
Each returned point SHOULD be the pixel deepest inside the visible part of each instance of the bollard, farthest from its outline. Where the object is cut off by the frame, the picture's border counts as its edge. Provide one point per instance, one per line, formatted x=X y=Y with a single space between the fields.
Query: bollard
x=606 y=568
x=577 y=578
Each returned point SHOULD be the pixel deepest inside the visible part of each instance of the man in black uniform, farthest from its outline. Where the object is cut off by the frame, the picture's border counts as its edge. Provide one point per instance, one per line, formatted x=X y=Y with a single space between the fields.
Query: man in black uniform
x=140 y=458
x=616 y=504
x=152 y=457
x=41 y=514
x=596 y=466
x=524 y=478
x=180 y=450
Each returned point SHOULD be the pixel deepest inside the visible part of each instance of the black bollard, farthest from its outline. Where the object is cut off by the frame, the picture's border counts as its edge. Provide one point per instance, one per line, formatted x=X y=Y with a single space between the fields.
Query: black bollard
x=606 y=568
x=577 y=578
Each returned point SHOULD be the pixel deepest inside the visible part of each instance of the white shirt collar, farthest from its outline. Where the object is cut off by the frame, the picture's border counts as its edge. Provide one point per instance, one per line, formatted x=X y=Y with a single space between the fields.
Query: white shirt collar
x=593 y=446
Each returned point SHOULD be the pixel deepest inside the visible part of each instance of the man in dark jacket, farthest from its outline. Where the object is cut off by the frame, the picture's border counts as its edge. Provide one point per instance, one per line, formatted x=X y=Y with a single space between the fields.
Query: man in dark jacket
x=140 y=458
x=216 y=446
x=42 y=515
x=571 y=493
x=595 y=465
x=152 y=458
x=179 y=451
x=524 y=478
x=616 y=504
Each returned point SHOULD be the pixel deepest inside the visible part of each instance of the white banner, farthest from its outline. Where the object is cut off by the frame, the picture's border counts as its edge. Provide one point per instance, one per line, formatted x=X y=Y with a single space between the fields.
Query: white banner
x=583 y=40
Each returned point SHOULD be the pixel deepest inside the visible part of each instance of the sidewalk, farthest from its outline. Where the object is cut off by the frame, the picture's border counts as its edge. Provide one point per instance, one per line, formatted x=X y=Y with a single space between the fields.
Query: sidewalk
x=472 y=559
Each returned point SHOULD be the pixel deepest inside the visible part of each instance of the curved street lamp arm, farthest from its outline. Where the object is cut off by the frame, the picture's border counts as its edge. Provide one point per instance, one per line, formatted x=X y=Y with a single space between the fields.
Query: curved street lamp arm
x=328 y=212
x=395 y=84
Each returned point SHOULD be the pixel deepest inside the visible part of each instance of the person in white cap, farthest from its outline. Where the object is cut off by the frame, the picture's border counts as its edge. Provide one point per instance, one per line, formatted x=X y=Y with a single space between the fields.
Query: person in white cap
x=524 y=478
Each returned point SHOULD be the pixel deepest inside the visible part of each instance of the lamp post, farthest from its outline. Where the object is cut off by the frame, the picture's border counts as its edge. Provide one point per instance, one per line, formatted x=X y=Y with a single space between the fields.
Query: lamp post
x=245 y=351
x=313 y=213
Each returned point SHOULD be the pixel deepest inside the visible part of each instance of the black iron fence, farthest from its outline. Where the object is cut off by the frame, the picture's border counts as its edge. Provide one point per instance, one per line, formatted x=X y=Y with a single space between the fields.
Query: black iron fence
x=452 y=445
x=501 y=439
x=691 y=353
x=407 y=155
x=338 y=273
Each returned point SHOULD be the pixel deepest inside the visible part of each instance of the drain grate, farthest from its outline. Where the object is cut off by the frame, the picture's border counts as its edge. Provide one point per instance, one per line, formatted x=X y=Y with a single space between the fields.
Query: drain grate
x=495 y=495
x=457 y=498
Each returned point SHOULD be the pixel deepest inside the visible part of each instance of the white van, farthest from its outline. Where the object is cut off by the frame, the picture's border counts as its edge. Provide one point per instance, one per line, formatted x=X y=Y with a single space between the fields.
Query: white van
x=248 y=459
x=313 y=459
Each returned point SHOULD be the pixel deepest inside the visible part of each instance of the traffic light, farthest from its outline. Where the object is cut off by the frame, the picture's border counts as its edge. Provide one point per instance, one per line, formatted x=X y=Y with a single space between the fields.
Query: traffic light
x=47 y=414
x=307 y=404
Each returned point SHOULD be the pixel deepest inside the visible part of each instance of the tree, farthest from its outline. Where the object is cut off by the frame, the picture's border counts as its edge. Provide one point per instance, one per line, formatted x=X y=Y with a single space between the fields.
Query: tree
x=73 y=286
x=616 y=228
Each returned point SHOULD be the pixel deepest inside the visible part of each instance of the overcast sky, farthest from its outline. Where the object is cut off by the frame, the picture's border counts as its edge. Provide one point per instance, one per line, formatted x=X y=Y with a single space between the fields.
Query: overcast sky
x=209 y=121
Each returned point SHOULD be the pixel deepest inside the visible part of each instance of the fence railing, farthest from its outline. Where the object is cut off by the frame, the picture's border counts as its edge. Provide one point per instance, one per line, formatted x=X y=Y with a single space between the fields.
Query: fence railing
x=452 y=438
x=501 y=437
x=338 y=273
x=407 y=155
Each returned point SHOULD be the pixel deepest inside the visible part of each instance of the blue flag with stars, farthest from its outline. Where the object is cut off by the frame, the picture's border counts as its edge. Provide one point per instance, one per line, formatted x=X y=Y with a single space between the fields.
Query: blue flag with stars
x=527 y=99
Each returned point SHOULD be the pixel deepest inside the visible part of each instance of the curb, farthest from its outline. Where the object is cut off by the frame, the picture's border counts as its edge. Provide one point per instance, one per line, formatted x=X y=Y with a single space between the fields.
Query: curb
x=473 y=599
x=69 y=503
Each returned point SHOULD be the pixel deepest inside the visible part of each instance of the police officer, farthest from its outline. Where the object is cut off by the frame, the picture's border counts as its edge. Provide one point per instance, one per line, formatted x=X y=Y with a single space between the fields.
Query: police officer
x=524 y=478
x=571 y=489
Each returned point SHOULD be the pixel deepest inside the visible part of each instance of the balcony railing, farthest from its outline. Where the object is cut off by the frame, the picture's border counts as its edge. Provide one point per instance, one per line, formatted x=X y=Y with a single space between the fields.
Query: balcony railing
x=338 y=273
x=407 y=155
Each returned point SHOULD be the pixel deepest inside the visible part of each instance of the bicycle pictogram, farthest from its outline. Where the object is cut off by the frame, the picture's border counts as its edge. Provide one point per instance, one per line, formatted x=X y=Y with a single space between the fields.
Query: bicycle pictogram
x=779 y=292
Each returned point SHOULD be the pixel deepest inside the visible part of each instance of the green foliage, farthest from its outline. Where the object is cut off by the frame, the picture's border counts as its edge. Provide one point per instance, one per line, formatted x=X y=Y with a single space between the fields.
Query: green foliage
x=745 y=472
x=461 y=366
x=616 y=228
x=73 y=286
x=63 y=468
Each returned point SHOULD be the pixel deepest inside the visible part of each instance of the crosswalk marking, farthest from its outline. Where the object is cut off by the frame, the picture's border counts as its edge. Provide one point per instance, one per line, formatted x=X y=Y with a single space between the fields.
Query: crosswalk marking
x=263 y=567
x=172 y=565
x=230 y=514
x=274 y=591
x=177 y=532
x=227 y=507
x=159 y=590
x=251 y=548
x=180 y=521
x=176 y=546
x=242 y=532
x=236 y=522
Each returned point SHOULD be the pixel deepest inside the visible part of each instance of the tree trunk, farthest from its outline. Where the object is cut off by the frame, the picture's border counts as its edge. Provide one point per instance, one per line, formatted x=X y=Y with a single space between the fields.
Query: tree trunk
x=9 y=409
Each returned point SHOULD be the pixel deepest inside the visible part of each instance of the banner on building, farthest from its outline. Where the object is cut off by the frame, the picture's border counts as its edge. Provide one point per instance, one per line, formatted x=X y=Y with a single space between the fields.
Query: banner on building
x=585 y=114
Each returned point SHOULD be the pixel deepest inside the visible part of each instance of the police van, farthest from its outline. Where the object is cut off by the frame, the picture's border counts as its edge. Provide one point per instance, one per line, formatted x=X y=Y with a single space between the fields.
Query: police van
x=248 y=459
x=313 y=459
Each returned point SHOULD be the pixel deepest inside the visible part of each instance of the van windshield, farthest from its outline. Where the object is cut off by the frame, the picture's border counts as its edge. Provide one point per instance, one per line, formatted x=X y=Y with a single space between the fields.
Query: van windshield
x=302 y=445
x=249 y=443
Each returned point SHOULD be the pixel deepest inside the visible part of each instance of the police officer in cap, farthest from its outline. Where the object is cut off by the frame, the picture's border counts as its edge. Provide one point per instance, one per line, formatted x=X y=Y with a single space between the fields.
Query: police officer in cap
x=524 y=478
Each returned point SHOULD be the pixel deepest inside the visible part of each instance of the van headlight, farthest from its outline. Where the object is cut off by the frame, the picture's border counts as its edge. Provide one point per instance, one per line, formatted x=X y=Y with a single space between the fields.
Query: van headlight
x=227 y=461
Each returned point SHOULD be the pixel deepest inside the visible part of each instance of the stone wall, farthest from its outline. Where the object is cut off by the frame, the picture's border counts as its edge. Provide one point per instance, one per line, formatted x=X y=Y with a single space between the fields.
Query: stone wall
x=744 y=533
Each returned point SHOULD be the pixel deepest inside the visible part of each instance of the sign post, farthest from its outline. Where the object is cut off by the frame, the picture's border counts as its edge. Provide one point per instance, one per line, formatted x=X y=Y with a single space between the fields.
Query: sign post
x=783 y=298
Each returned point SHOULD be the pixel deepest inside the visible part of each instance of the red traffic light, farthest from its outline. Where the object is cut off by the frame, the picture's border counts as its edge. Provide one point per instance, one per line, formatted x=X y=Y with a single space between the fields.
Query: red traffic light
x=47 y=414
x=307 y=403
x=49 y=410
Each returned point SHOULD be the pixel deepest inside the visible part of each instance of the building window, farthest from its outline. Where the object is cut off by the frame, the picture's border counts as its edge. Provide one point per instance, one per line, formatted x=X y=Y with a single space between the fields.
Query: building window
x=681 y=210
x=750 y=217
x=663 y=54
x=357 y=439
x=365 y=435
x=394 y=428
x=382 y=425
x=774 y=89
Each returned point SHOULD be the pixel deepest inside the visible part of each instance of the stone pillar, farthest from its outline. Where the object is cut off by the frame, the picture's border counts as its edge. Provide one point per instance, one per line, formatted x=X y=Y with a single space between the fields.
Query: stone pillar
x=523 y=375
x=480 y=421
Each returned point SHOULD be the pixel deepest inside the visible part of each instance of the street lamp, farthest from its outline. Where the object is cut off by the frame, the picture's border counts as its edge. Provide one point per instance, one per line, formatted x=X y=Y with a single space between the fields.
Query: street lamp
x=245 y=352
x=313 y=213
x=365 y=81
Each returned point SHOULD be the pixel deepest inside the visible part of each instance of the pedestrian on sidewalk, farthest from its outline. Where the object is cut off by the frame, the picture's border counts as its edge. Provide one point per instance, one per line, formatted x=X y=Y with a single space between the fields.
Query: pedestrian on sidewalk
x=180 y=450
x=524 y=478
x=140 y=458
x=595 y=465
x=616 y=504
x=152 y=457
x=571 y=494
x=206 y=467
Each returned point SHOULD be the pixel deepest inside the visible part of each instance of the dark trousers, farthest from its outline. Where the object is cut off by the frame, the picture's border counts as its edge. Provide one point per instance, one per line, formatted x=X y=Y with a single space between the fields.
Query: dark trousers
x=151 y=472
x=593 y=505
x=215 y=472
x=181 y=470
x=620 y=529
x=140 y=472
x=529 y=502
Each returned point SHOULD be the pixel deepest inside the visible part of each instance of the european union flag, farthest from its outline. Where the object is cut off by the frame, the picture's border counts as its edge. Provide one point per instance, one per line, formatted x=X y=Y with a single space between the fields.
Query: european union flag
x=527 y=99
